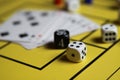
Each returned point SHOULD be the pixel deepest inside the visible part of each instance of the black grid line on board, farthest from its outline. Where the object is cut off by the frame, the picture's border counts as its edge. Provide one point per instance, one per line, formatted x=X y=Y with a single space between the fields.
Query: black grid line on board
x=95 y=45
x=92 y=32
x=88 y=35
x=95 y=59
x=32 y=66
x=113 y=73
x=5 y=45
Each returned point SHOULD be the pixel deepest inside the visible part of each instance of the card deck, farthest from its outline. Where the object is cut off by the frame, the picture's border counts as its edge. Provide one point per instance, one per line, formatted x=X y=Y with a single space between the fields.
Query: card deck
x=35 y=28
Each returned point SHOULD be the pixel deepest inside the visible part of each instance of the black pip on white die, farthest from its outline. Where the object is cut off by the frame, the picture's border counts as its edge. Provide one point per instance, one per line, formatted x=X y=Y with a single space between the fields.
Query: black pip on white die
x=109 y=33
x=76 y=51
x=61 y=38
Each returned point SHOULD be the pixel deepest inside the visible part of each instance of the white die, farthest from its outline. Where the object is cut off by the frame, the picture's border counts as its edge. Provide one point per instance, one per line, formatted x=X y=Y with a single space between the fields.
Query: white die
x=109 y=33
x=72 y=5
x=76 y=51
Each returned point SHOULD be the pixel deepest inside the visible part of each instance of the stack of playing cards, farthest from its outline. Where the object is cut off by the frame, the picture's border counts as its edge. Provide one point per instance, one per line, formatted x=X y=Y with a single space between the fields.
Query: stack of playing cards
x=36 y=28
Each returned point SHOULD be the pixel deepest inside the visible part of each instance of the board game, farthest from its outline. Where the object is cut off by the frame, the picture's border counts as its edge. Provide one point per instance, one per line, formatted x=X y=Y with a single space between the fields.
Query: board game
x=46 y=63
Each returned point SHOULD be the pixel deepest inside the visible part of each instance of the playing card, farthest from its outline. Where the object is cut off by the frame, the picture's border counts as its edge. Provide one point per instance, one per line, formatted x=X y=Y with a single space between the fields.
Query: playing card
x=45 y=20
x=26 y=26
x=57 y=20
x=35 y=28
x=82 y=24
x=15 y=29
x=75 y=24
x=14 y=34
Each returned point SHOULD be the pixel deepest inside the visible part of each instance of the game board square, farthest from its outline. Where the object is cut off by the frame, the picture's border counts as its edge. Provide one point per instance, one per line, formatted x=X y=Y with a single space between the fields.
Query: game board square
x=63 y=65
x=107 y=73
x=37 y=57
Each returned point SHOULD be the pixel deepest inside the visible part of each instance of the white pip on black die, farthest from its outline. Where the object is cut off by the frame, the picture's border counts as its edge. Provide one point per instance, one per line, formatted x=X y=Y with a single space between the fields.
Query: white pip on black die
x=76 y=51
x=109 y=33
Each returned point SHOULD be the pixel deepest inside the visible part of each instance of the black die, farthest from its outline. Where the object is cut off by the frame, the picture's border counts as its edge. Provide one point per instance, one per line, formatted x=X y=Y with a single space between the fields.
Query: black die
x=61 y=39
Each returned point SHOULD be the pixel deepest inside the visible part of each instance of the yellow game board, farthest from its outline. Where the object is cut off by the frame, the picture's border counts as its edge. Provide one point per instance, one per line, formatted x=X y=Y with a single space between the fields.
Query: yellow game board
x=45 y=63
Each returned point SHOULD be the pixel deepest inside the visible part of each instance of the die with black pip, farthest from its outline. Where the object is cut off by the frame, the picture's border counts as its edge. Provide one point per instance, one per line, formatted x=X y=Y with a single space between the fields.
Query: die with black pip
x=76 y=51
x=109 y=33
x=61 y=38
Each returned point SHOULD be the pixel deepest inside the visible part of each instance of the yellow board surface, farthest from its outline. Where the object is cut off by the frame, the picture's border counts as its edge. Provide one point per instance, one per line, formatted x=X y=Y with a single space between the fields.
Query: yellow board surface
x=45 y=63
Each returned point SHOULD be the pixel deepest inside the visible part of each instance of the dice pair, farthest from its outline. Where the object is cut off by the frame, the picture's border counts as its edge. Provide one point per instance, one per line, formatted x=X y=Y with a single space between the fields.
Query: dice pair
x=109 y=33
x=76 y=51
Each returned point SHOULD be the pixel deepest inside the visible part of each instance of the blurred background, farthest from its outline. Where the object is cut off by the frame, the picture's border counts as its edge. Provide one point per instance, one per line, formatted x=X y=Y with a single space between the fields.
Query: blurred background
x=102 y=9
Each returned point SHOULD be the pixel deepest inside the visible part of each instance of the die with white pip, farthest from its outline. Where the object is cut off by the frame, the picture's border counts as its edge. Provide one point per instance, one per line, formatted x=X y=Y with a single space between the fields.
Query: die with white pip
x=109 y=33
x=76 y=51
